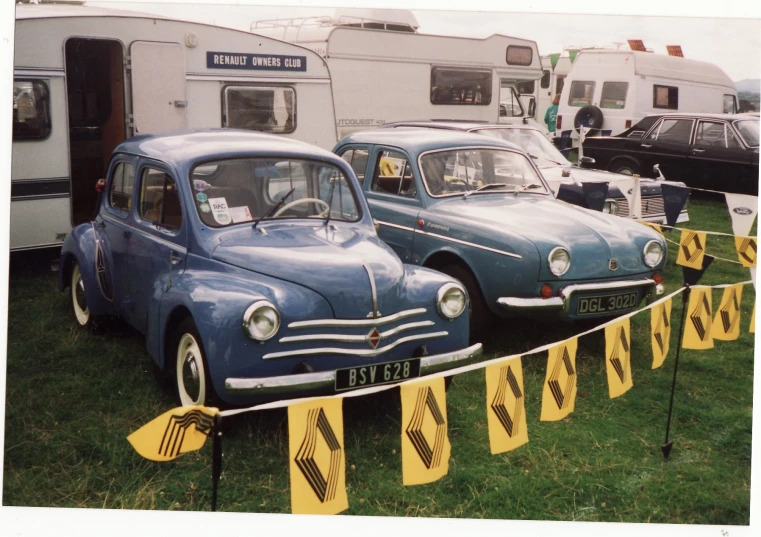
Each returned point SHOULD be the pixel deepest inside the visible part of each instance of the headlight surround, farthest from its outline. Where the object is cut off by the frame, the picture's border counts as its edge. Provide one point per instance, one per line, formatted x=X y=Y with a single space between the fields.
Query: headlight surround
x=261 y=321
x=610 y=207
x=652 y=253
x=451 y=300
x=559 y=261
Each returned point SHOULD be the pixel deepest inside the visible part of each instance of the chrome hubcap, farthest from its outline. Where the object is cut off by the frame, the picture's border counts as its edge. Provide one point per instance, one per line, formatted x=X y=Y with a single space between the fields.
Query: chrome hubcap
x=190 y=376
x=79 y=294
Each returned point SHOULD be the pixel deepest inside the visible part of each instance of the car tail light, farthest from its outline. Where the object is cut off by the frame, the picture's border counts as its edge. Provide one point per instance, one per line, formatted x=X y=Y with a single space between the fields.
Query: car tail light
x=559 y=122
x=546 y=291
x=658 y=278
x=100 y=186
x=628 y=124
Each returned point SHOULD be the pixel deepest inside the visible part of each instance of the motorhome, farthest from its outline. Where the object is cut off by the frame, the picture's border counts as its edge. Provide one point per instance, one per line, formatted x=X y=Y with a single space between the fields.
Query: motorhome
x=610 y=90
x=87 y=78
x=383 y=70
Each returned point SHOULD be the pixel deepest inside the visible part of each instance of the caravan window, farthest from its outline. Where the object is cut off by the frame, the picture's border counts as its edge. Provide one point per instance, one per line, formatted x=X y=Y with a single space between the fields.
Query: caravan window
x=517 y=55
x=559 y=84
x=666 y=97
x=460 y=86
x=730 y=104
x=581 y=93
x=31 y=110
x=393 y=175
x=545 y=82
x=120 y=192
x=267 y=108
x=614 y=94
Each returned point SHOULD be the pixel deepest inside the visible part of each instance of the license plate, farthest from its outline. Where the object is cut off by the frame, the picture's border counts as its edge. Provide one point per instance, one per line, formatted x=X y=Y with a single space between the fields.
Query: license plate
x=371 y=375
x=595 y=305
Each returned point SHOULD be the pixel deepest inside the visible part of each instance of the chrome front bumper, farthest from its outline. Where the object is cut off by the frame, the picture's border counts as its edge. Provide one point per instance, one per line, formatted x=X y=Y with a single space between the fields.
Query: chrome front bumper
x=563 y=302
x=324 y=380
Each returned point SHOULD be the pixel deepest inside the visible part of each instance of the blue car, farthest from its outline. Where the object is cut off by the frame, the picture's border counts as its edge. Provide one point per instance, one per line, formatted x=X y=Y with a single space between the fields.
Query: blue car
x=477 y=208
x=252 y=265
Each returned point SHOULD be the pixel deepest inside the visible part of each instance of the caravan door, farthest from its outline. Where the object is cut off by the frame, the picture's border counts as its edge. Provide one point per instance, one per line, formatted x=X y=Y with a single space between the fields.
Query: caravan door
x=158 y=87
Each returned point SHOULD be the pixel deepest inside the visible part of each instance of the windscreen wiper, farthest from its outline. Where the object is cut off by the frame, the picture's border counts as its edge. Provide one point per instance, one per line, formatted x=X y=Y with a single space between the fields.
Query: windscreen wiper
x=483 y=187
x=525 y=187
x=275 y=208
x=330 y=199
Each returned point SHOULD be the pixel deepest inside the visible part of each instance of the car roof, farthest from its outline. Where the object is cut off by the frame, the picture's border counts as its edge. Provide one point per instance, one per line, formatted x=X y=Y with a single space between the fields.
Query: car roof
x=727 y=117
x=416 y=139
x=459 y=125
x=176 y=147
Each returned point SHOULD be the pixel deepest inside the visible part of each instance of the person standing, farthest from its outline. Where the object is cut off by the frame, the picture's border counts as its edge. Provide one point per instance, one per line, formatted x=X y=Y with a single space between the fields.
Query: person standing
x=552 y=113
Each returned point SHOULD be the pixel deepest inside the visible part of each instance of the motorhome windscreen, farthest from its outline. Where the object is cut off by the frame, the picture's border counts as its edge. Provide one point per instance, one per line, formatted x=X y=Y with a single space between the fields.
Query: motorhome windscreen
x=614 y=94
x=31 y=114
x=461 y=86
x=264 y=108
x=748 y=129
x=480 y=171
x=581 y=93
x=233 y=191
x=532 y=142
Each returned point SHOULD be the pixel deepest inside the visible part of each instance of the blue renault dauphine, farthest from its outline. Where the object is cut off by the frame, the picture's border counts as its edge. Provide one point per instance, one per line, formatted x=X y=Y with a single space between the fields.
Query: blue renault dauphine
x=478 y=209
x=252 y=265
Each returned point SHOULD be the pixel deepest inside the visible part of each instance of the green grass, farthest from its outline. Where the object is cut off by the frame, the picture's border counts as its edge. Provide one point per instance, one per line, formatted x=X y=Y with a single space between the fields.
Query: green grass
x=73 y=397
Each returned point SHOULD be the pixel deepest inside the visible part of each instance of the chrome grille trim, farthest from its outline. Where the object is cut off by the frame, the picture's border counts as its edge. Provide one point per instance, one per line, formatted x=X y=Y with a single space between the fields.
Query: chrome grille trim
x=335 y=323
x=360 y=353
x=651 y=206
x=349 y=338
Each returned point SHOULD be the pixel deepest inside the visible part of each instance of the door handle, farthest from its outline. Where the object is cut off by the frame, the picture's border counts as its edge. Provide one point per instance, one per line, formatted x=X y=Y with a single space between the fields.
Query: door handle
x=101 y=224
x=127 y=234
x=646 y=146
x=174 y=258
x=698 y=150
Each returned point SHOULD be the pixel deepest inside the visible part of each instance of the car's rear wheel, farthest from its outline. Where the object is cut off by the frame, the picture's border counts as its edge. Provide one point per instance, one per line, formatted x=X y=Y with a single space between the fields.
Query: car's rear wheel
x=191 y=371
x=625 y=167
x=79 y=298
x=481 y=317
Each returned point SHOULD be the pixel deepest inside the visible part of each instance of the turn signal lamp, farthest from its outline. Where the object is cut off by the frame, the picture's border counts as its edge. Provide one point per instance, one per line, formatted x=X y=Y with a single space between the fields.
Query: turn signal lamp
x=100 y=186
x=546 y=291
x=658 y=278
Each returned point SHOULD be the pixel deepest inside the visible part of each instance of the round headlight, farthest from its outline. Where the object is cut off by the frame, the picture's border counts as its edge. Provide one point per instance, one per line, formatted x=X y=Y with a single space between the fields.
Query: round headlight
x=261 y=321
x=451 y=300
x=610 y=207
x=653 y=253
x=559 y=261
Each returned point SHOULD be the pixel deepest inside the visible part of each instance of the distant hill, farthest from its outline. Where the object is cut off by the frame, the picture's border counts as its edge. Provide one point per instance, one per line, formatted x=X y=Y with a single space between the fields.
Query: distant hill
x=749 y=85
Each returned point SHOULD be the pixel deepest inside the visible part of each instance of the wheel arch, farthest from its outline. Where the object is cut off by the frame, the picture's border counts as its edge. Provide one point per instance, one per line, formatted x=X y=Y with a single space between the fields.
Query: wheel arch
x=173 y=320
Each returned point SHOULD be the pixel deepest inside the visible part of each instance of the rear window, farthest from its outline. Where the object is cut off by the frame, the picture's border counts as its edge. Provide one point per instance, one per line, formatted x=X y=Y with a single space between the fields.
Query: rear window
x=614 y=94
x=31 y=110
x=666 y=97
x=581 y=93
x=460 y=86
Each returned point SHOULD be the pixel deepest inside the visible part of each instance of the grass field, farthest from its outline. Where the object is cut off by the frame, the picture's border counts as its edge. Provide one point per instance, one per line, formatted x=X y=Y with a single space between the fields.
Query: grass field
x=73 y=397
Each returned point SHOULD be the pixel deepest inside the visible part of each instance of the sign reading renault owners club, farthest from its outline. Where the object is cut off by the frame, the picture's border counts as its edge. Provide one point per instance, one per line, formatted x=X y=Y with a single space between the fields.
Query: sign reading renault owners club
x=255 y=62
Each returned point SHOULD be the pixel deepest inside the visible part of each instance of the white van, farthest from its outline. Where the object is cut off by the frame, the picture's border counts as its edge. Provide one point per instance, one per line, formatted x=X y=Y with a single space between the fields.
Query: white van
x=551 y=83
x=87 y=78
x=384 y=71
x=610 y=90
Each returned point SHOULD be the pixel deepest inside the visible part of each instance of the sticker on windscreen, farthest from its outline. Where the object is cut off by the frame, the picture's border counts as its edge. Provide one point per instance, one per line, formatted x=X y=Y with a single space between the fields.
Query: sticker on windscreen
x=201 y=185
x=240 y=214
x=204 y=208
x=220 y=211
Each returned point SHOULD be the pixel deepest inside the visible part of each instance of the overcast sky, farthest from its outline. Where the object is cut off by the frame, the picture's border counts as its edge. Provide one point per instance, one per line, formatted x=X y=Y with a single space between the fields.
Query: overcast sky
x=734 y=44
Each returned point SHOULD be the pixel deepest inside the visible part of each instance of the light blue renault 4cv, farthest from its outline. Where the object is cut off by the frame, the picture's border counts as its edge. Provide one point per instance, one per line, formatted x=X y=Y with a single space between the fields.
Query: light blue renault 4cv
x=478 y=209
x=251 y=264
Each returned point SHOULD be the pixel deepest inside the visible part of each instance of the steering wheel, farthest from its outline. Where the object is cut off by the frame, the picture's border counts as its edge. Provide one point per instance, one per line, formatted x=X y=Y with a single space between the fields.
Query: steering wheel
x=287 y=206
x=458 y=184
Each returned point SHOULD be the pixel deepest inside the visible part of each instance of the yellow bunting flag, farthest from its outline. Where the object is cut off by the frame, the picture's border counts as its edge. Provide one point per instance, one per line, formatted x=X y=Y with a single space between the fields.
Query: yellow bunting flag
x=726 y=323
x=425 y=443
x=746 y=250
x=173 y=433
x=317 y=458
x=559 y=393
x=692 y=247
x=505 y=408
x=651 y=225
x=660 y=332
x=697 y=330
x=752 y=327
x=618 y=358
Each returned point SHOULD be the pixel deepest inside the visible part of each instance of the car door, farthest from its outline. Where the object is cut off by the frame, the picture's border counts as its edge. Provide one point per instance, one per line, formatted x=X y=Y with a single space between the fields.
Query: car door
x=718 y=159
x=158 y=247
x=392 y=194
x=668 y=145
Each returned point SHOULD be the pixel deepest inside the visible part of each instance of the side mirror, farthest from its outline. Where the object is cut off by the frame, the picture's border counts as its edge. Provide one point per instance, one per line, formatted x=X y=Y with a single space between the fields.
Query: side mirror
x=586 y=161
x=657 y=171
x=532 y=107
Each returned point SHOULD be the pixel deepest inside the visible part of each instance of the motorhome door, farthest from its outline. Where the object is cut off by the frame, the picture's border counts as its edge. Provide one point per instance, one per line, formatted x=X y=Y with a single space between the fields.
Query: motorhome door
x=158 y=87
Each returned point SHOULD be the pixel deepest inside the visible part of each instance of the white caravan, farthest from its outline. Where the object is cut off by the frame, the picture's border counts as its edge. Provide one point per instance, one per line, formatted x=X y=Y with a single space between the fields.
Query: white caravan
x=610 y=90
x=384 y=71
x=87 y=78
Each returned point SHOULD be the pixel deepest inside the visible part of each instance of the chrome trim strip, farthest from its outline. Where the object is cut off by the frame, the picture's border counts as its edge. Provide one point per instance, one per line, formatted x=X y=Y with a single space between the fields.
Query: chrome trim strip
x=174 y=247
x=606 y=286
x=334 y=323
x=325 y=380
x=374 y=292
x=361 y=353
x=31 y=72
x=397 y=226
x=532 y=303
x=348 y=338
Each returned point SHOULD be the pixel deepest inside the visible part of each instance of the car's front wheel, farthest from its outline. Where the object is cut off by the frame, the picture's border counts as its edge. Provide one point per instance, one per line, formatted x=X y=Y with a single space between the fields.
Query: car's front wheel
x=625 y=167
x=191 y=372
x=79 y=298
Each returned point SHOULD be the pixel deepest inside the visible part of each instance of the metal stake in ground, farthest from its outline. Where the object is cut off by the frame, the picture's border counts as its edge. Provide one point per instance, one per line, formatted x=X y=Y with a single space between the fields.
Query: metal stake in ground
x=216 y=459
x=666 y=448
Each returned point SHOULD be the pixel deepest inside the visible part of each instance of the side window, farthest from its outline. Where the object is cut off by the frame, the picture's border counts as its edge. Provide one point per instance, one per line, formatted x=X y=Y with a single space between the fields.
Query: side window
x=122 y=184
x=527 y=87
x=715 y=134
x=665 y=97
x=31 y=110
x=614 y=94
x=730 y=104
x=509 y=103
x=267 y=109
x=460 y=86
x=518 y=55
x=159 y=201
x=559 y=84
x=673 y=130
x=392 y=175
x=545 y=82
x=581 y=93
x=357 y=159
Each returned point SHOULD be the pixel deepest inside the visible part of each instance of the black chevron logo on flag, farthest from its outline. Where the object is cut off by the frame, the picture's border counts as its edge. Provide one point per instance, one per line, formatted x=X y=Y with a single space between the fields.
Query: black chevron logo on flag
x=508 y=378
x=430 y=455
x=747 y=250
x=562 y=364
x=730 y=313
x=318 y=428
x=662 y=328
x=174 y=434
x=692 y=240
x=620 y=355
x=701 y=317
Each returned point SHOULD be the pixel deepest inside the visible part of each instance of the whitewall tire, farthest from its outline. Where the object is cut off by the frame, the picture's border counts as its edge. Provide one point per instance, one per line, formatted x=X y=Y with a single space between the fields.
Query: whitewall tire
x=79 y=298
x=193 y=384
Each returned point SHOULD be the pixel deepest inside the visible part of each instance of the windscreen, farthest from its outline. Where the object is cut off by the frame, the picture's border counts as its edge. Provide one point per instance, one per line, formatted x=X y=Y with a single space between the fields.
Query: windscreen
x=749 y=131
x=532 y=142
x=230 y=192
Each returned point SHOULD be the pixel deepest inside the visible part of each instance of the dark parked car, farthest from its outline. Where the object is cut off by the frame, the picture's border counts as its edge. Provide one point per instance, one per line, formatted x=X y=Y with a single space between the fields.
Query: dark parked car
x=558 y=170
x=713 y=151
